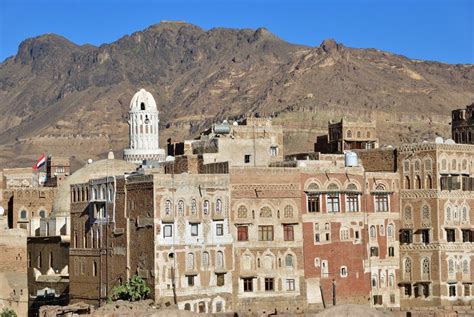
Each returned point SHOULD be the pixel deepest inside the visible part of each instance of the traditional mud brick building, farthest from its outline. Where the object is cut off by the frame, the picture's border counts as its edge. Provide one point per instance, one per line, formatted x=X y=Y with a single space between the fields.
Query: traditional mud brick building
x=268 y=240
x=13 y=268
x=350 y=246
x=462 y=125
x=436 y=234
x=250 y=142
x=347 y=135
x=48 y=272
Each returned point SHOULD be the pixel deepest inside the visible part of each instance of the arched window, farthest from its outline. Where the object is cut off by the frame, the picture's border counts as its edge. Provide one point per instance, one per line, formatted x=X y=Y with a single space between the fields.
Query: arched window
x=407 y=268
x=42 y=213
x=425 y=212
x=181 y=207
x=417 y=165
x=94 y=268
x=103 y=193
x=382 y=230
x=453 y=165
x=407 y=182
x=425 y=265
x=288 y=211
x=391 y=280
x=408 y=213
x=289 y=260
x=406 y=166
x=418 y=182
x=23 y=214
x=242 y=211
x=332 y=199
x=429 y=182
x=187 y=306
x=443 y=164
x=374 y=280
x=390 y=230
x=448 y=214
x=193 y=207
x=190 y=261
x=110 y=194
x=359 y=134
x=312 y=187
x=349 y=133
x=428 y=164
x=465 y=267
x=464 y=214
x=205 y=207
x=451 y=266
x=50 y=259
x=373 y=232
x=168 y=207
x=142 y=106
x=265 y=212
x=219 y=260
x=218 y=205
x=95 y=193
x=368 y=134
x=205 y=259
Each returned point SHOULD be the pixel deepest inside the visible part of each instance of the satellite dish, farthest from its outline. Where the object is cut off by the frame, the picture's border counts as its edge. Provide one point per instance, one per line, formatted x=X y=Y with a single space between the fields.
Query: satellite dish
x=439 y=140
x=2 y=211
x=450 y=141
x=89 y=161
x=235 y=123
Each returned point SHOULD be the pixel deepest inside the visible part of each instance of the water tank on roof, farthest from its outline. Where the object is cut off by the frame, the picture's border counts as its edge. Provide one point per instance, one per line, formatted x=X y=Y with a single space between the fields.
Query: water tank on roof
x=350 y=159
x=222 y=128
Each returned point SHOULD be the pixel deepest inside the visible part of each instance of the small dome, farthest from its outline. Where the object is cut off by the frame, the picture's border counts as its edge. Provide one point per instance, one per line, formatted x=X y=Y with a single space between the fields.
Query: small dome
x=143 y=101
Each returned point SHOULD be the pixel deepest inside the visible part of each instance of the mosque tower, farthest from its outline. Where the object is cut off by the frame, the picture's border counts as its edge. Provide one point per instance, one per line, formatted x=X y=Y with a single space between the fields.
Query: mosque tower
x=143 y=130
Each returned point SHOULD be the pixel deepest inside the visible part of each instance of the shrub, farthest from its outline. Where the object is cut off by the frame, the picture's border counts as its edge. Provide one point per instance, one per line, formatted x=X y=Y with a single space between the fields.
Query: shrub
x=7 y=312
x=132 y=290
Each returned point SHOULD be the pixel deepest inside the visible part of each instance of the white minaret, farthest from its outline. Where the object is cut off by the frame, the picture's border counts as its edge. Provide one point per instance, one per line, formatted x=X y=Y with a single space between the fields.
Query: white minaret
x=143 y=130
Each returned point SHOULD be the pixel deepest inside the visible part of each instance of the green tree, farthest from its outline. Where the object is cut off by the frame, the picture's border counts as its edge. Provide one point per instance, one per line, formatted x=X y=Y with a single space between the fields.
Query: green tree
x=7 y=312
x=132 y=290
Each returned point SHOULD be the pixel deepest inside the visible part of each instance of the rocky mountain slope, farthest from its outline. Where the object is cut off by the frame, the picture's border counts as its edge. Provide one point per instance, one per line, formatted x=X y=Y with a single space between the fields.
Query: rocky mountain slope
x=65 y=99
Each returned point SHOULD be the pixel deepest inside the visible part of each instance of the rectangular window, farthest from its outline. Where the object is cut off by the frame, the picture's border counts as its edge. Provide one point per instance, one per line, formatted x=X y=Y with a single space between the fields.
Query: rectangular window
x=290 y=284
x=378 y=300
x=450 y=235
x=242 y=233
x=313 y=202
x=374 y=251
x=391 y=251
x=357 y=235
x=467 y=289
x=407 y=290
x=328 y=236
x=220 y=279
x=466 y=235
x=167 y=231
x=248 y=284
x=452 y=290
x=219 y=229
x=392 y=298
x=317 y=238
x=425 y=236
x=273 y=151
x=269 y=284
x=406 y=236
x=247 y=158
x=332 y=203
x=288 y=233
x=381 y=202
x=352 y=202
x=194 y=229
x=190 y=280
x=265 y=233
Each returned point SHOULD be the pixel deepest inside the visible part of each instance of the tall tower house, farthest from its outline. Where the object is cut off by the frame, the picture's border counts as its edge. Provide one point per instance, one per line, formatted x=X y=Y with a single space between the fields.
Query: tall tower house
x=143 y=130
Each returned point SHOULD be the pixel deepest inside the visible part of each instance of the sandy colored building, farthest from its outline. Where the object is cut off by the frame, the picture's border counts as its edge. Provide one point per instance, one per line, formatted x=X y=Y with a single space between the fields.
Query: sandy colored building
x=268 y=240
x=345 y=135
x=436 y=236
x=250 y=142
x=462 y=125
x=13 y=268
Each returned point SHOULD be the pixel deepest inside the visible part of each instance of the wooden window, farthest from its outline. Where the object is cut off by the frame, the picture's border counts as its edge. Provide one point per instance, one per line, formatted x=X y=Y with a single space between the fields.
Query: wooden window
x=242 y=233
x=219 y=229
x=220 y=279
x=313 y=202
x=269 y=284
x=248 y=284
x=190 y=279
x=194 y=229
x=332 y=203
x=167 y=231
x=288 y=233
x=450 y=235
x=290 y=284
x=381 y=202
x=265 y=233
x=352 y=202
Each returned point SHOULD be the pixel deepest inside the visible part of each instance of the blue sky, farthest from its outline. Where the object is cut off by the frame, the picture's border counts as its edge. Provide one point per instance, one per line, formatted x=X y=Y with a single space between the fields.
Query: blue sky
x=432 y=30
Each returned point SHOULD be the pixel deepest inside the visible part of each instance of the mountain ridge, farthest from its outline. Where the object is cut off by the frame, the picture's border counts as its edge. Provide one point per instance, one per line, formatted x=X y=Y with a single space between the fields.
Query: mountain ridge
x=57 y=96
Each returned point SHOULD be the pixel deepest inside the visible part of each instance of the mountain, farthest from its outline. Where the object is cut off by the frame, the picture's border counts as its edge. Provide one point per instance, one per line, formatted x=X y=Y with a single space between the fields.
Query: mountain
x=66 y=99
